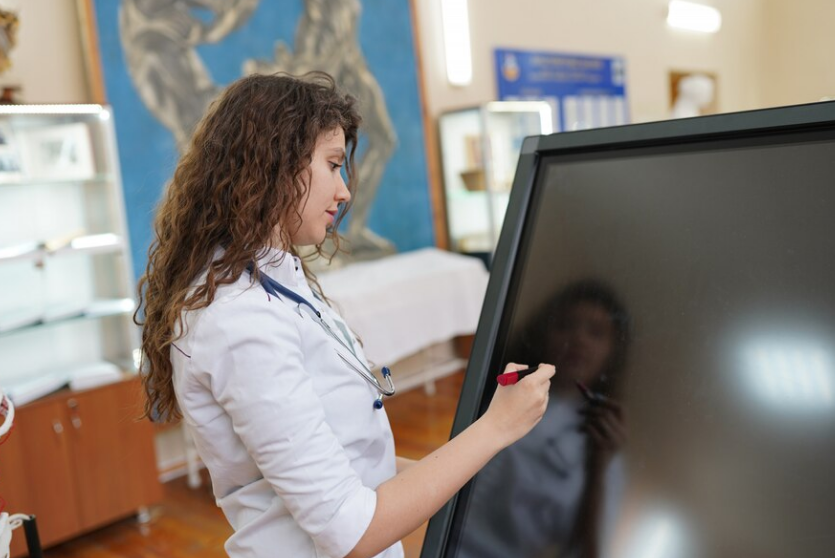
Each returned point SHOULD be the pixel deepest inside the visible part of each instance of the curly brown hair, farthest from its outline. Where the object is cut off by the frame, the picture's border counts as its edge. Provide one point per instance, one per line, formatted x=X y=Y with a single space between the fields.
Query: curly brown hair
x=244 y=173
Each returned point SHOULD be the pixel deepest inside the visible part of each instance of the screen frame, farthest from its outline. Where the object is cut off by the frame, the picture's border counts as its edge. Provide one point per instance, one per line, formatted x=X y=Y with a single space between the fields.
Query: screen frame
x=753 y=125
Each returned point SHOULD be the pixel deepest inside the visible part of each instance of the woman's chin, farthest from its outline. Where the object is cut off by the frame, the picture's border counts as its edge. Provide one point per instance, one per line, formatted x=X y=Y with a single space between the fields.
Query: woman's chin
x=308 y=241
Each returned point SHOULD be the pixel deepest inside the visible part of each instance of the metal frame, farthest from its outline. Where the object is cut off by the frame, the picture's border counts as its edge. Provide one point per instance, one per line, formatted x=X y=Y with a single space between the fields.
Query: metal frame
x=33 y=541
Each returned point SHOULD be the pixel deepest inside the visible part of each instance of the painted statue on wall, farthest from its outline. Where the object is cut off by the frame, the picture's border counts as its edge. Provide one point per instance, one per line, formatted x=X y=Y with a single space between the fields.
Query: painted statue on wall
x=160 y=39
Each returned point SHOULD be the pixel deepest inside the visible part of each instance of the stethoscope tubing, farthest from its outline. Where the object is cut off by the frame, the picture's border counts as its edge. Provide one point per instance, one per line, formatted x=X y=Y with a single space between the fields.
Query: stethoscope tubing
x=276 y=289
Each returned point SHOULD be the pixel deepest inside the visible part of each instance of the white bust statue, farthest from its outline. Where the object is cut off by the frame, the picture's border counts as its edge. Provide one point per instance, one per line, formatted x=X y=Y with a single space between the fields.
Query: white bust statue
x=695 y=92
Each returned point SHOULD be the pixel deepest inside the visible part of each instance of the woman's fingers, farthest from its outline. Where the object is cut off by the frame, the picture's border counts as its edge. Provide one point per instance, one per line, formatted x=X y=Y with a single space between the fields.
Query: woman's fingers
x=605 y=424
x=607 y=407
x=599 y=437
x=514 y=367
x=617 y=409
x=543 y=374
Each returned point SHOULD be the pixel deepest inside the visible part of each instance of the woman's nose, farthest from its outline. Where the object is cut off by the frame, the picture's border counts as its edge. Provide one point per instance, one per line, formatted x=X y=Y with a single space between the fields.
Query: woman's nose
x=343 y=194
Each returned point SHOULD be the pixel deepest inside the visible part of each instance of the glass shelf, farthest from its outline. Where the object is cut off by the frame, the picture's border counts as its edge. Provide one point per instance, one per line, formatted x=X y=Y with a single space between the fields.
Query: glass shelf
x=64 y=238
x=107 y=243
x=34 y=182
x=28 y=319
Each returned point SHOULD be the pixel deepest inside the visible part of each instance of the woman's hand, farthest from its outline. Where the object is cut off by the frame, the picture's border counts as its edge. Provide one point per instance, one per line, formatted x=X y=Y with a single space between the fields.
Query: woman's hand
x=416 y=493
x=605 y=425
x=516 y=409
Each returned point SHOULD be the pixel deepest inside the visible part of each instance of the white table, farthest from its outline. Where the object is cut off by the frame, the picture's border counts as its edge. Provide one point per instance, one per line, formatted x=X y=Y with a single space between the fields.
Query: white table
x=407 y=309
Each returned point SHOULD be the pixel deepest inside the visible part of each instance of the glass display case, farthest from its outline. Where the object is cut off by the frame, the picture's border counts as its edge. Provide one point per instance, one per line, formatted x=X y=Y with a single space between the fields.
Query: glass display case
x=67 y=294
x=479 y=150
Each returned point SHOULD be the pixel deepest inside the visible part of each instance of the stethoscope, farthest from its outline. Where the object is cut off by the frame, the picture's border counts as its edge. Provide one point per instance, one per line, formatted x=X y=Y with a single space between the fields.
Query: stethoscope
x=276 y=289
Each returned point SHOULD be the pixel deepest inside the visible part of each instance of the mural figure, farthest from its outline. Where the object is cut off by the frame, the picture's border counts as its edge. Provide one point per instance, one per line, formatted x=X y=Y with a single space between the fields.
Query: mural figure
x=326 y=39
x=160 y=38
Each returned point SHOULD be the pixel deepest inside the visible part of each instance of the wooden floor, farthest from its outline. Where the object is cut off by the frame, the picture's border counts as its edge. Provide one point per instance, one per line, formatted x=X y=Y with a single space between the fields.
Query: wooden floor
x=187 y=522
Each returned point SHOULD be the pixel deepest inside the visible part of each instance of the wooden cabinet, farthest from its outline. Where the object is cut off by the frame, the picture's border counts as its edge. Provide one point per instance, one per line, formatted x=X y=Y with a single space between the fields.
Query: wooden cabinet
x=79 y=460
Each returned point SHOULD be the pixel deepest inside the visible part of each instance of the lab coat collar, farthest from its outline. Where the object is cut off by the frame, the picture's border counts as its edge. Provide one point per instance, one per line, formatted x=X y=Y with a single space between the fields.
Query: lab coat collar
x=283 y=267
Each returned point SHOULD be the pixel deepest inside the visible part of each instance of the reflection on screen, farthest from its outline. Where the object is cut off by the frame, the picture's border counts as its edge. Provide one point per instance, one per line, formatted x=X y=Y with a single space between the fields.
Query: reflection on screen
x=691 y=294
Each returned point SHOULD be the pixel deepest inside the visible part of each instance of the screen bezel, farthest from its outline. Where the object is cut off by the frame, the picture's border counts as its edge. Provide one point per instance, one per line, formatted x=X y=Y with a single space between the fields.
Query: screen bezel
x=802 y=120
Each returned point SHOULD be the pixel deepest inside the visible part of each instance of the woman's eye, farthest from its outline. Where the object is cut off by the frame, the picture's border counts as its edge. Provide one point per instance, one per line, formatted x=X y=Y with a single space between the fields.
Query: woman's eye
x=335 y=166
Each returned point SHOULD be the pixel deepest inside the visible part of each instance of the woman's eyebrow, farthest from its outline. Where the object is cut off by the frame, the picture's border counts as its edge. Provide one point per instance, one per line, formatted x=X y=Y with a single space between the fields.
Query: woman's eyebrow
x=336 y=151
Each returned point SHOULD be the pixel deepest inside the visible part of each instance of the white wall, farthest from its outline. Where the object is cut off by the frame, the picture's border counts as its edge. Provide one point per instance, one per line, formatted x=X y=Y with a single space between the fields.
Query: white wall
x=47 y=60
x=799 y=51
x=635 y=29
x=769 y=52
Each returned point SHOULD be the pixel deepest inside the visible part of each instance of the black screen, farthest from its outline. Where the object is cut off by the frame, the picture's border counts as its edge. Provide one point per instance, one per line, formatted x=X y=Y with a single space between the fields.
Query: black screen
x=691 y=285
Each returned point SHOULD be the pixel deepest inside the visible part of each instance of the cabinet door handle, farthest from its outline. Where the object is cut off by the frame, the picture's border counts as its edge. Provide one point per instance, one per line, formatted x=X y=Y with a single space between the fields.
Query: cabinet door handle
x=58 y=427
x=75 y=419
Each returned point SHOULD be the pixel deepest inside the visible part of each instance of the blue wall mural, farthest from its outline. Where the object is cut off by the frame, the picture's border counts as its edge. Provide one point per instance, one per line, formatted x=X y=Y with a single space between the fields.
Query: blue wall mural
x=400 y=210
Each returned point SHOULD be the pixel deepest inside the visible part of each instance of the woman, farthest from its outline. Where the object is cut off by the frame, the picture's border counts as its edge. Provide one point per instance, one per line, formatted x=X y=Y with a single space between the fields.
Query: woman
x=555 y=493
x=265 y=376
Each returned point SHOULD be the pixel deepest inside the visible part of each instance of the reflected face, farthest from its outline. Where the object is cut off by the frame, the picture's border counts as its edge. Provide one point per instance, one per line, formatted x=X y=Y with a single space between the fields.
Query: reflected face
x=582 y=344
x=326 y=190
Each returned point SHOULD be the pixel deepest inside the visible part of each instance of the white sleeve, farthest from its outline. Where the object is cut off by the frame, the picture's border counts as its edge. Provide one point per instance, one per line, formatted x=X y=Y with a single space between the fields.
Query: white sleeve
x=253 y=355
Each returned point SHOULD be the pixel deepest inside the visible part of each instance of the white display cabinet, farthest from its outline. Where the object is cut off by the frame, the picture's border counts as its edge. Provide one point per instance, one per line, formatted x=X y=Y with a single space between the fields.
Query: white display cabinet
x=479 y=150
x=67 y=295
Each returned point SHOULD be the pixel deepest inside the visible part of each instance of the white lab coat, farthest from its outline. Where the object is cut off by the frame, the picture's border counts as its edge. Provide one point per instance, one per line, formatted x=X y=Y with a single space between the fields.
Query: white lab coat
x=286 y=429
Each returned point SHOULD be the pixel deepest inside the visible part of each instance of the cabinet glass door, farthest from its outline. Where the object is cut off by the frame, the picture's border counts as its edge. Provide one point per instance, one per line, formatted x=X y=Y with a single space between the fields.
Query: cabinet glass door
x=67 y=281
x=479 y=150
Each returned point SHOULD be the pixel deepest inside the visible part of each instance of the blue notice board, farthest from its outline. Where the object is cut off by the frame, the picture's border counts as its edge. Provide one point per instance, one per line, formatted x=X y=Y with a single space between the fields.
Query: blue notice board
x=583 y=91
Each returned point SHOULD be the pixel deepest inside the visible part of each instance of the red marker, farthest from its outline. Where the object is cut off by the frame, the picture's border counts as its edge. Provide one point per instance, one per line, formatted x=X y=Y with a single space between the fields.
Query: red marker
x=510 y=378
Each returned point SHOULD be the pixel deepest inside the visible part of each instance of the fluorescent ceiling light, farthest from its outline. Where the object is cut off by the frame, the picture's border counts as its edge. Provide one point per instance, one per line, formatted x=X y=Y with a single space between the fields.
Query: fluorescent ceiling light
x=456 y=23
x=693 y=17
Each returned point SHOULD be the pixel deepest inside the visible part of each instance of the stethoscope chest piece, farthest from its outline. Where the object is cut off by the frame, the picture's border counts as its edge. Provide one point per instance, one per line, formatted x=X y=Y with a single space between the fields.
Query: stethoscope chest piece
x=378 y=403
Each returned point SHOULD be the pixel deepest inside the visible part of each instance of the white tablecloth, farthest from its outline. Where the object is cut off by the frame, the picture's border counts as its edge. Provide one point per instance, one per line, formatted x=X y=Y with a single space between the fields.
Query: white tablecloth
x=401 y=304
